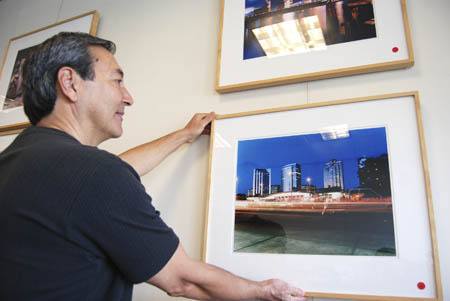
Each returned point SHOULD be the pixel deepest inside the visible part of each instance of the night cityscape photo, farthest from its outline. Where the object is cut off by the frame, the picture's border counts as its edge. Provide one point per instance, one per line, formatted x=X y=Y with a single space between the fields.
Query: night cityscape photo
x=315 y=194
x=281 y=27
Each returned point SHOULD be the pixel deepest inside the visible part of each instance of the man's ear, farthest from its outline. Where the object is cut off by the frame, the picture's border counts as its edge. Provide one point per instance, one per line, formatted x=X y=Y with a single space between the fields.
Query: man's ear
x=69 y=83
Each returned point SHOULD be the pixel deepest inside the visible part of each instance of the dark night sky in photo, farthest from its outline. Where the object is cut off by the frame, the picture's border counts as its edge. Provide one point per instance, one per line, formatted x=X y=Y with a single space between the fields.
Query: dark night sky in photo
x=311 y=152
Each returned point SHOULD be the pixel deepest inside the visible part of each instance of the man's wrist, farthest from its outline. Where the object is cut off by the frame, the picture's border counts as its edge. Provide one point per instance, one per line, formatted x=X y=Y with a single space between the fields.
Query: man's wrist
x=262 y=292
x=184 y=135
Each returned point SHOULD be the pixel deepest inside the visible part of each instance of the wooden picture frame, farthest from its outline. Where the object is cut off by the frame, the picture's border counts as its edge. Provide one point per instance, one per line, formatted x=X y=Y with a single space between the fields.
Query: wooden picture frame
x=276 y=228
x=298 y=56
x=12 y=117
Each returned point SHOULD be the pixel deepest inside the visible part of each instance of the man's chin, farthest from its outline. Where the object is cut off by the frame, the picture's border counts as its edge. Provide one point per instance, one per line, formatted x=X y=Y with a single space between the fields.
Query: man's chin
x=117 y=133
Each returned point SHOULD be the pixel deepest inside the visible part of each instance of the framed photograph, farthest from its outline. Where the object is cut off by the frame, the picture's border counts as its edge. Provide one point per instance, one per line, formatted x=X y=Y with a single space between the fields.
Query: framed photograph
x=12 y=116
x=333 y=197
x=273 y=42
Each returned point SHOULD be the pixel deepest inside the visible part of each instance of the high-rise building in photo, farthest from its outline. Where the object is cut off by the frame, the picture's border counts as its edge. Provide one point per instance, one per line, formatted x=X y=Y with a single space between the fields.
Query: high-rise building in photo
x=275 y=188
x=373 y=174
x=262 y=181
x=333 y=175
x=291 y=177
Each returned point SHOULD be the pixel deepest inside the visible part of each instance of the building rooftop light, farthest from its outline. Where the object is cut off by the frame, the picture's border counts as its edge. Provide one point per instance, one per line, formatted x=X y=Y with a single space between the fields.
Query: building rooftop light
x=289 y=37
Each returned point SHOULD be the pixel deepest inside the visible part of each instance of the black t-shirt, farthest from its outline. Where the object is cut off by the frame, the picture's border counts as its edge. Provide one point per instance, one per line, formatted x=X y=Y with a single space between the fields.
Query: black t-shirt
x=75 y=222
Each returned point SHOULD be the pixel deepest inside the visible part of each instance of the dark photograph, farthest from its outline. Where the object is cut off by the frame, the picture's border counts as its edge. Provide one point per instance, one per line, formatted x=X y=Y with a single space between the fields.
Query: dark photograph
x=14 y=92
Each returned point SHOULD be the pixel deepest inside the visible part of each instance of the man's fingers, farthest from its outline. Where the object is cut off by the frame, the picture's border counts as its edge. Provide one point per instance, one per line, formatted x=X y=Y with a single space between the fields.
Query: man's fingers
x=206 y=122
x=203 y=118
x=293 y=294
x=295 y=291
x=200 y=124
x=290 y=298
x=208 y=117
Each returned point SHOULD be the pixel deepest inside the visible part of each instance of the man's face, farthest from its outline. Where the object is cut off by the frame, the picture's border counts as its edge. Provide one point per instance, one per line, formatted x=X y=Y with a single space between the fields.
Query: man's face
x=104 y=98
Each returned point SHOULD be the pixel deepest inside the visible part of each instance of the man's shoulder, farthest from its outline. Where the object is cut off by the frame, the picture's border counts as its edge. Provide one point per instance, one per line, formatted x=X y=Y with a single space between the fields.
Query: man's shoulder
x=109 y=160
x=101 y=160
x=49 y=147
x=91 y=153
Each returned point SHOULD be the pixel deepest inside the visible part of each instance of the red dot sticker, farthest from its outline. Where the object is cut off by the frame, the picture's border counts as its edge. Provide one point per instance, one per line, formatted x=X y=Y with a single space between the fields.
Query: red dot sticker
x=395 y=49
x=421 y=285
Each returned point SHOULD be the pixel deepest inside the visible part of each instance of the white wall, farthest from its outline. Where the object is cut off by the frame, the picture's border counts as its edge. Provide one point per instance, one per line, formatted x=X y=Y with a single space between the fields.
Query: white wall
x=168 y=51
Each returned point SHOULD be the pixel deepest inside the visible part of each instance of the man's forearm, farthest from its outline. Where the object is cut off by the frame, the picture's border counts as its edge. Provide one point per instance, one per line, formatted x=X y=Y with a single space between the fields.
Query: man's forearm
x=219 y=284
x=202 y=281
x=189 y=278
x=213 y=283
x=145 y=157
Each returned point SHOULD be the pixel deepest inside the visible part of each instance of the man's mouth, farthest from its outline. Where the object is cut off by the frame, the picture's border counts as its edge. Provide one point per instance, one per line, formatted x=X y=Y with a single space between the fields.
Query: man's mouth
x=120 y=114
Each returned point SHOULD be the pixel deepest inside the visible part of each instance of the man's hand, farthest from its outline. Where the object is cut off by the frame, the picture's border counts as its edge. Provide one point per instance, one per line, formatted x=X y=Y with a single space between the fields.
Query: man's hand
x=278 y=290
x=198 y=125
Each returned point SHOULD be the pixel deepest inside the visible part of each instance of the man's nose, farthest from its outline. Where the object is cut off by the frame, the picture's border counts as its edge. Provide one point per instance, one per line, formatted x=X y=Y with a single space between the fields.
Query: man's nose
x=127 y=98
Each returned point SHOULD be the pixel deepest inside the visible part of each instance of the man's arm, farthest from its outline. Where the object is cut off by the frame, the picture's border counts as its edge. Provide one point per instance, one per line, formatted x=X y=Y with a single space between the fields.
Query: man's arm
x=147 y=156
x=189 y=278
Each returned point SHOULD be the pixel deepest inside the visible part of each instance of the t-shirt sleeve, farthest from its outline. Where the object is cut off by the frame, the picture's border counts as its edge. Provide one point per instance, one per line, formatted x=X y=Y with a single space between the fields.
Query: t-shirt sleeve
x=114 y=211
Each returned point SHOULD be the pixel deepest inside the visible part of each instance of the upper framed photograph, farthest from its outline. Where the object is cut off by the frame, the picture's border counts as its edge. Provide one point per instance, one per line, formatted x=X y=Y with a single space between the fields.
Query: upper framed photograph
x=12 y=116
x=273 y=42
x=325 y=197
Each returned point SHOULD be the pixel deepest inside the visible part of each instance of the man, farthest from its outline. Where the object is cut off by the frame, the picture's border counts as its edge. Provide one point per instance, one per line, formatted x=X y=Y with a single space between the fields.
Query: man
x=75 y=221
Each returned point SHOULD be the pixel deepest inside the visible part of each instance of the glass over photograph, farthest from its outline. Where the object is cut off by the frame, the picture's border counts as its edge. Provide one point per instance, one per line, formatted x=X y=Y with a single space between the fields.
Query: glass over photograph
x=325 y=193
x=281 y=27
